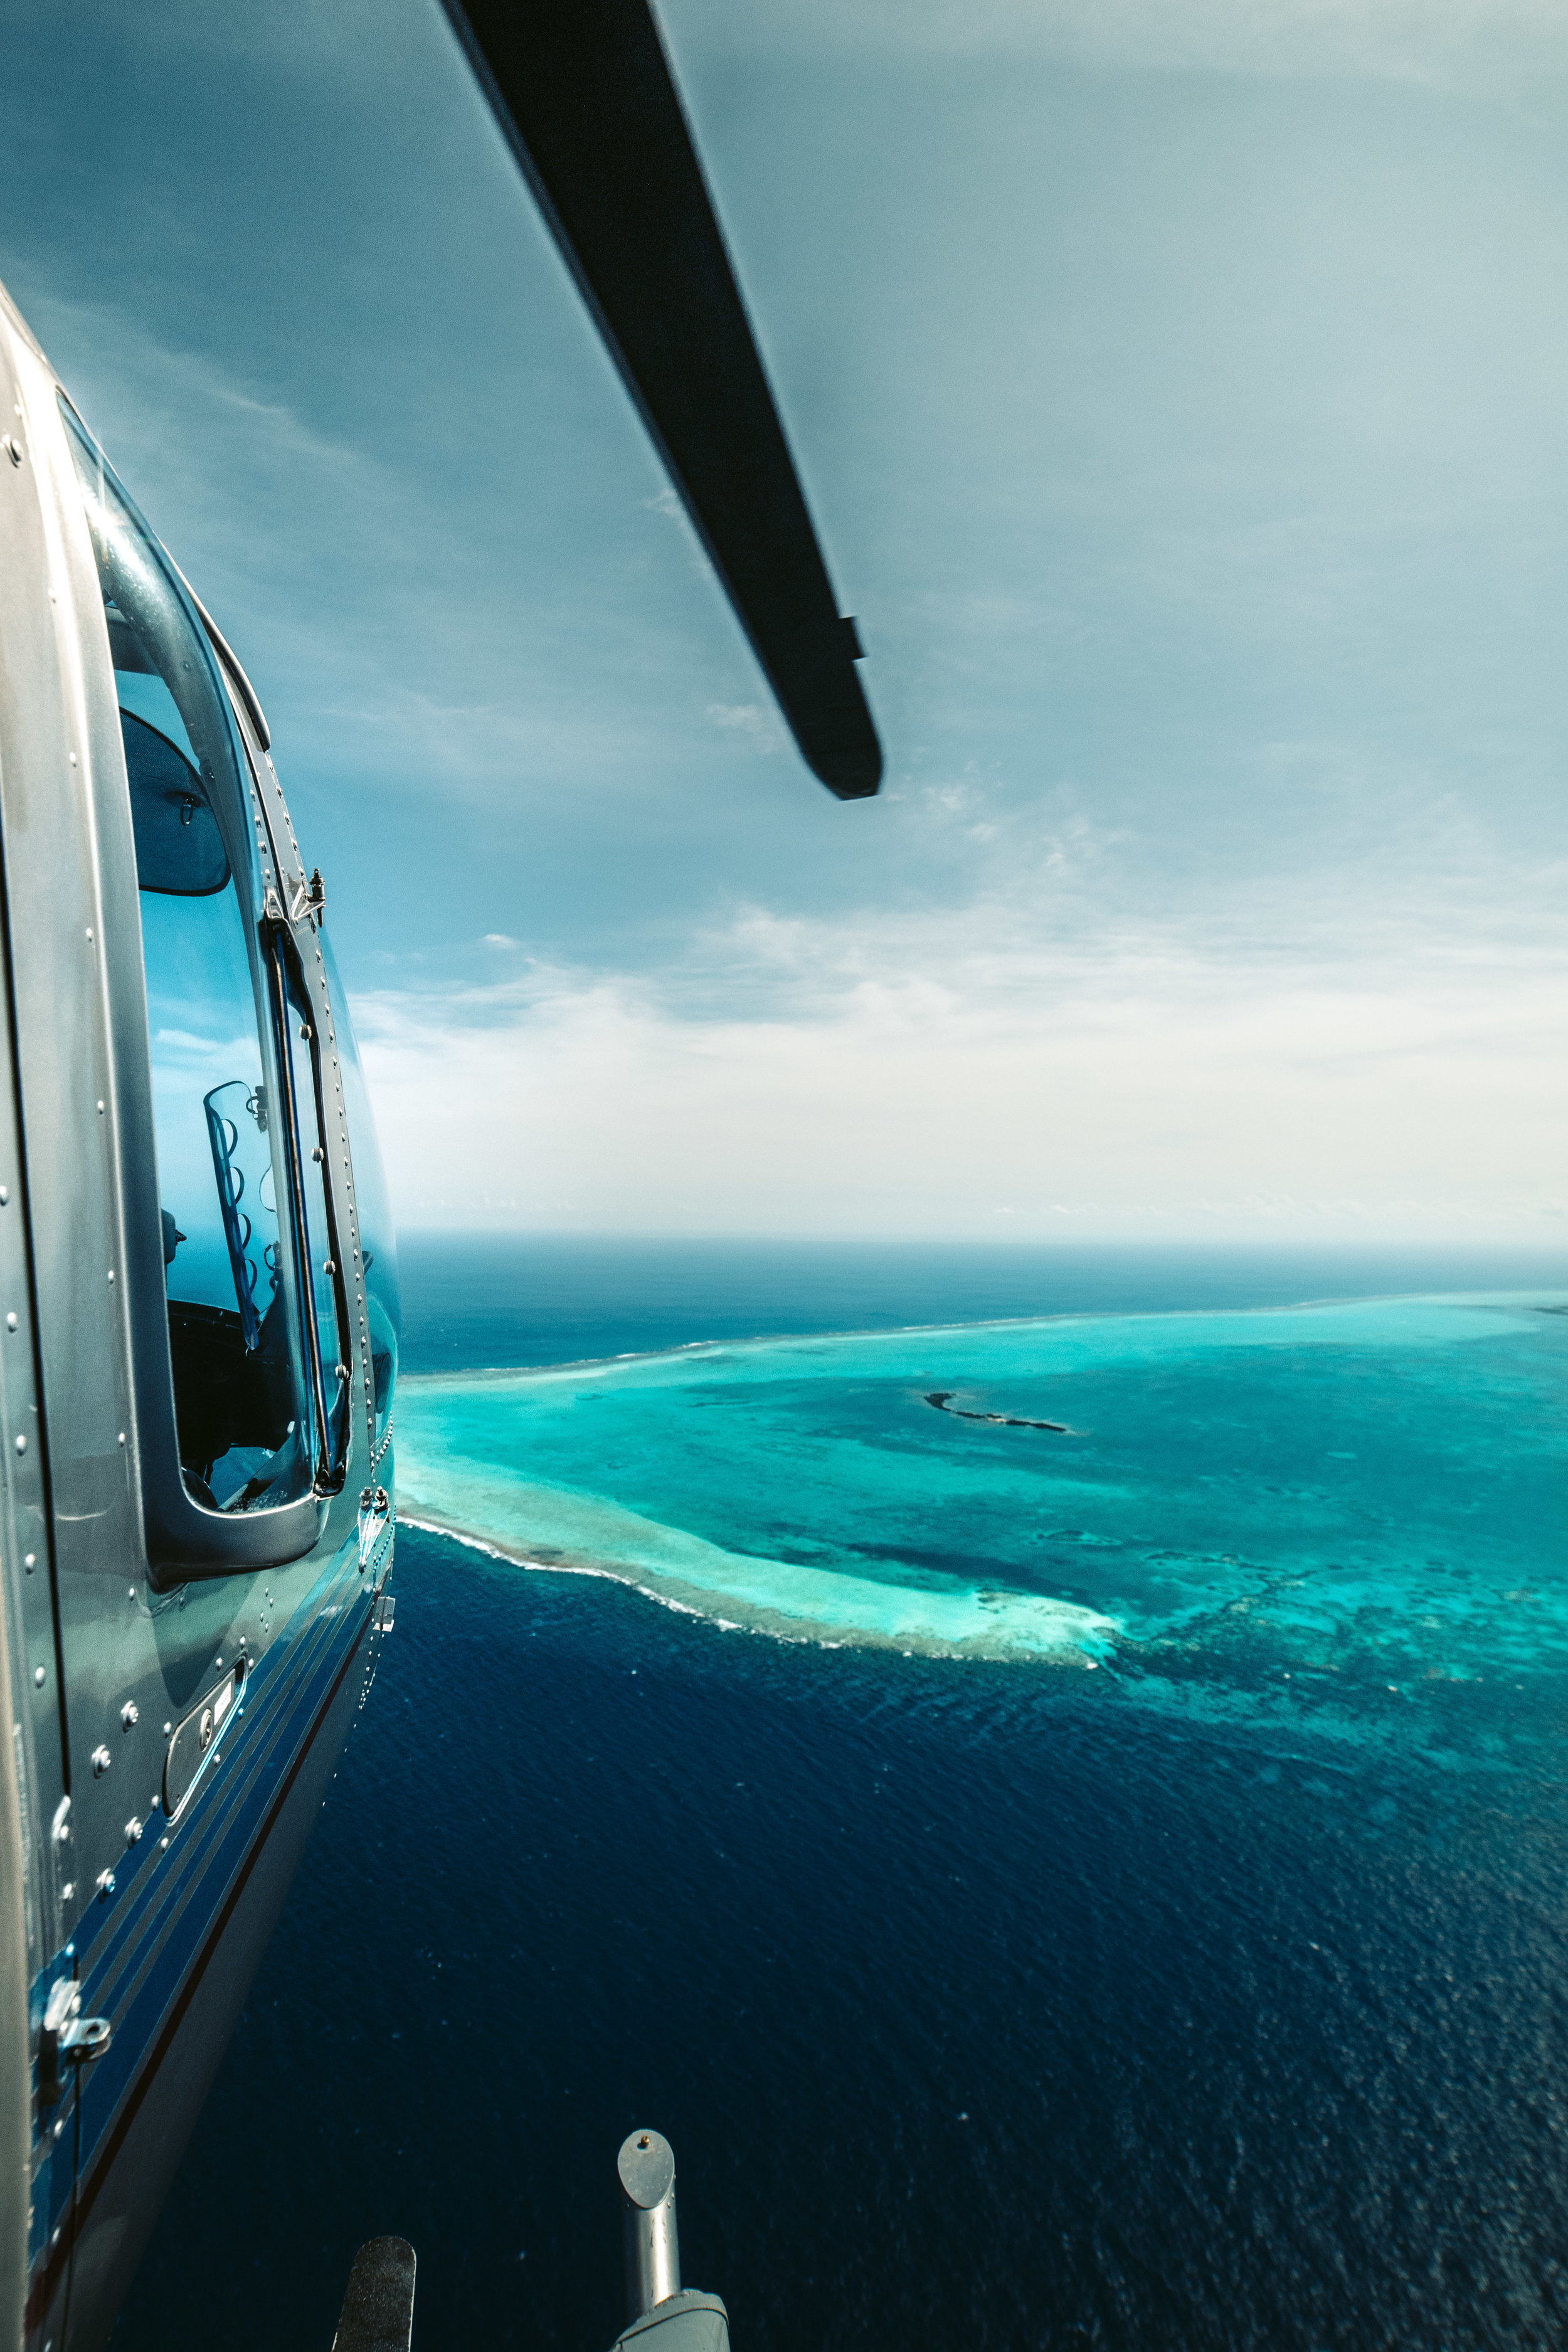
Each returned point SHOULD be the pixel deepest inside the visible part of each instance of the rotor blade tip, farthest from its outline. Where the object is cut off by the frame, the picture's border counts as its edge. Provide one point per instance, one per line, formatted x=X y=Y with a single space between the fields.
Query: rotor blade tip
x=850 y=775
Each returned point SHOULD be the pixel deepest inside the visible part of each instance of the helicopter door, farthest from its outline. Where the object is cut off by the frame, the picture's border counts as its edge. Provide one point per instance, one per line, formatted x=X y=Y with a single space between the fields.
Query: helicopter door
x=239 y=1332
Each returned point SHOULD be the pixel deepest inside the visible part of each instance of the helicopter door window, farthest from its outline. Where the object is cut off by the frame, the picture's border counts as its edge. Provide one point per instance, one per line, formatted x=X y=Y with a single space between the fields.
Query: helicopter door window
x=245 y=1416
x=235 y=1401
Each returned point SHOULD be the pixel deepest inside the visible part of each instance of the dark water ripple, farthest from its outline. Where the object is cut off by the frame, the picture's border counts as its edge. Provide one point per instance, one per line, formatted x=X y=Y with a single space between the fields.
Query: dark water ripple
x=983 y=2008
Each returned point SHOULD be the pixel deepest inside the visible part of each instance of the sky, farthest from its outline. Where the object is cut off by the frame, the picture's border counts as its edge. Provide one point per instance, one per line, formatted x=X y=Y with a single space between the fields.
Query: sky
x=1178 y=387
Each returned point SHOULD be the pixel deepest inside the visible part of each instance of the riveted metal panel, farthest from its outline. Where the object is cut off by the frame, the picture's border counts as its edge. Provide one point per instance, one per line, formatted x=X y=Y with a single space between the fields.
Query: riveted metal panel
x=160 y=1919
x=36 y=1855
x=15 y=2135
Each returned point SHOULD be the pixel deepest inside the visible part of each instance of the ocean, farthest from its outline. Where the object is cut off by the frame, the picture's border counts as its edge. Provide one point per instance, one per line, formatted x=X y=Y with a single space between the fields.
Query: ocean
x=1041 y=1770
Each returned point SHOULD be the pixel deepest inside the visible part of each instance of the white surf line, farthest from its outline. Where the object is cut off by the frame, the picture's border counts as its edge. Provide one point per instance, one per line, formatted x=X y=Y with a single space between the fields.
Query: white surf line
x=613 y=1575
x=1065 y=1638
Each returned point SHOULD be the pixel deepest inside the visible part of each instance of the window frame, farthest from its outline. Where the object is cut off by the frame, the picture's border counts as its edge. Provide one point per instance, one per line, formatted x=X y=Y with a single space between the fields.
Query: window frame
x=289 y=995
x=184 y=1541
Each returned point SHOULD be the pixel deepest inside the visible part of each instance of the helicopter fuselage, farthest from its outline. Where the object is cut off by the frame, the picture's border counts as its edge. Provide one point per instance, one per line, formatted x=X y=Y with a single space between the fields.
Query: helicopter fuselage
x=198 y=1334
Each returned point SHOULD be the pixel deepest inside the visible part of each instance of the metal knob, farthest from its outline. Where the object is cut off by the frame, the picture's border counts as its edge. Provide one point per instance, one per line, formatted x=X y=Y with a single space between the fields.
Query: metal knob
x=647 y=2169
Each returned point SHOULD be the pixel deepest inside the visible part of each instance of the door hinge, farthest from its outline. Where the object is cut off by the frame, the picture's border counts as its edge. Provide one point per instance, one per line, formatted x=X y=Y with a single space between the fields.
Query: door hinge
x=374 y=1512
x=66 y=2039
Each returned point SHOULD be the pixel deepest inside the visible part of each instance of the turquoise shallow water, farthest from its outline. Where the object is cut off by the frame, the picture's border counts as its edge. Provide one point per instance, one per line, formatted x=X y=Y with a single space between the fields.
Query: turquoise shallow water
x=1364 y=1499
x=1213 y=1997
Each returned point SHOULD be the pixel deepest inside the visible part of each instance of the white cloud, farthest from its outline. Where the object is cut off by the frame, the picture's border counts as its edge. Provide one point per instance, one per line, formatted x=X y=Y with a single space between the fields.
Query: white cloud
x=954 y=1074
x=755 y=724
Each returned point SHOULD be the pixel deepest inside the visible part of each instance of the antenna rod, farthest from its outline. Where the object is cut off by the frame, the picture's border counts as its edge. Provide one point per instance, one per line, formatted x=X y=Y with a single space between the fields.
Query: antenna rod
x=647 y=2169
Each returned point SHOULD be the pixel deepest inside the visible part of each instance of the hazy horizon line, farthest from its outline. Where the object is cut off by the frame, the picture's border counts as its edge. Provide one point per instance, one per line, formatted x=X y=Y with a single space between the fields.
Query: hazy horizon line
x=1339 y=1239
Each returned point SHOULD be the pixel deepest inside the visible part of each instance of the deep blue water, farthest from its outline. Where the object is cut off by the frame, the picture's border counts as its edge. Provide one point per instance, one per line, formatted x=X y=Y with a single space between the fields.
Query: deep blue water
x=984 y=2003
x=482 y=1299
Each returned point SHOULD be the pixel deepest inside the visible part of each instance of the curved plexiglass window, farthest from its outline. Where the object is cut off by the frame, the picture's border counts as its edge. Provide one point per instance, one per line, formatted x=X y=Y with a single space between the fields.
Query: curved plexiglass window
x=242 y=1405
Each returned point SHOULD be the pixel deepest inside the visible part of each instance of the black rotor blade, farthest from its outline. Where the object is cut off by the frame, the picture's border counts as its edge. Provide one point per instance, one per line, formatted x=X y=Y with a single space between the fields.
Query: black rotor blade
x=583 y=92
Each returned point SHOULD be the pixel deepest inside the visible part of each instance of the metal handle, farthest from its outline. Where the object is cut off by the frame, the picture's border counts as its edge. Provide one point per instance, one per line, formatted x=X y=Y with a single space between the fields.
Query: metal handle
x=378 y=2309
x=647 y=2169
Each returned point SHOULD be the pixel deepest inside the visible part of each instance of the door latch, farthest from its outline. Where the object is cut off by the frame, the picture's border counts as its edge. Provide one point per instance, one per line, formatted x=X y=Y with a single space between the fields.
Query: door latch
x=65 y=2039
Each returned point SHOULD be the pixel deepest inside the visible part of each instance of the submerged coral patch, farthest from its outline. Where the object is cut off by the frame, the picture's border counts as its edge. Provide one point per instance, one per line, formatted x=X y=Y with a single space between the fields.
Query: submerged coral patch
x=1358 y=1496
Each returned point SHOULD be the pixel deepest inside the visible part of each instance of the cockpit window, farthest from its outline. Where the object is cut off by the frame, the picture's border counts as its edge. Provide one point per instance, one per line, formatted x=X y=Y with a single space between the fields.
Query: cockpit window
x=244 y=1409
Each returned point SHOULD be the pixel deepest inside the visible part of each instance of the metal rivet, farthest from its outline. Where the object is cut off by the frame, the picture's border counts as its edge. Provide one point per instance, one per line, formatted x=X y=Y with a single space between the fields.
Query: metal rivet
x=163 y=1845
x=132 y=1831
x=21 y=1445
x=30 y=1562
x=10 y=1322
x=73 y=758
x=129 y=1713
x=102 y=1760
x=90 y=931
x=100 y=1110
x=4 y=1194
x=111 y=1279
x=13 y=448
x=38 y=1676
x=122 y=1433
